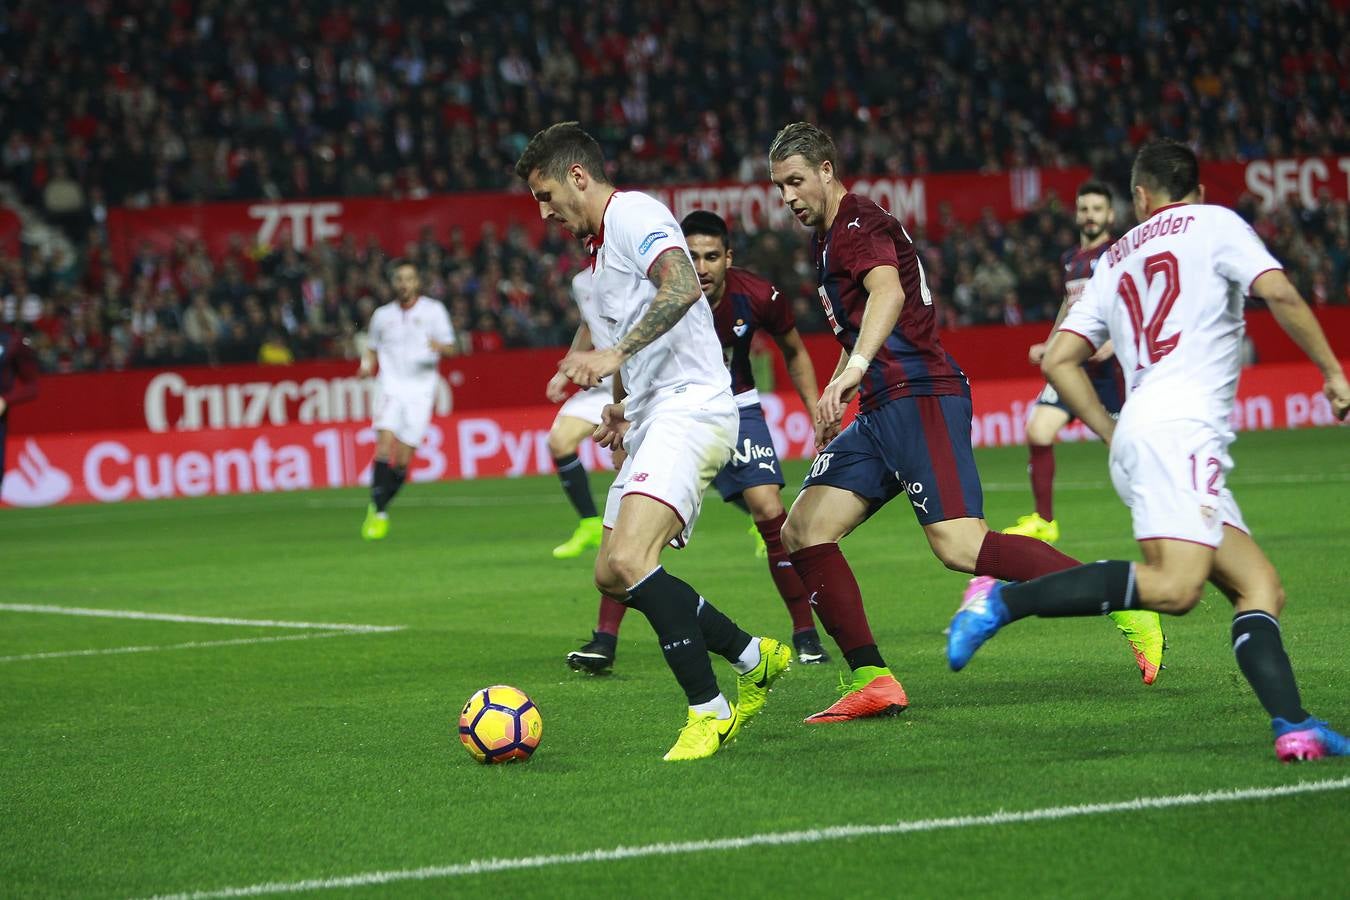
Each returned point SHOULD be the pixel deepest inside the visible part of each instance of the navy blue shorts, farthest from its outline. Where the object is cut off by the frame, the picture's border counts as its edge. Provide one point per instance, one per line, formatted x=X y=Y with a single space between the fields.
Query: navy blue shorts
x=1107 y=380
x=917 y=446
x=753 y=461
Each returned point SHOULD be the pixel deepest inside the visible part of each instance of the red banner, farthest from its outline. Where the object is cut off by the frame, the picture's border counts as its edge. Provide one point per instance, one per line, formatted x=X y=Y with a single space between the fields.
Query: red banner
x=196 y=398
x=1275 y=182
x=116 y=466
x=927 y=200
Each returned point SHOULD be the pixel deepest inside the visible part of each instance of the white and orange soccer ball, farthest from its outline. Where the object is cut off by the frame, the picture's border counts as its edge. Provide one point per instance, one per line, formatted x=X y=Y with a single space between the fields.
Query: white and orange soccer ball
x=500 y=724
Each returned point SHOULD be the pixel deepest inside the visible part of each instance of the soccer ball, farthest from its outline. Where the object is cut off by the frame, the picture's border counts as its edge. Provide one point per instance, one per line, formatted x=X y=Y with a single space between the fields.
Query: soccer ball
x=500 y=724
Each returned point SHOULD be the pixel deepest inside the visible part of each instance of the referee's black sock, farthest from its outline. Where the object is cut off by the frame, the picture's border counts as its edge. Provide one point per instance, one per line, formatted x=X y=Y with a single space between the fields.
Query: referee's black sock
x=1261 y=657
x=1094 y=589
x=576 y=484
x=672 y=608
x=381 y=479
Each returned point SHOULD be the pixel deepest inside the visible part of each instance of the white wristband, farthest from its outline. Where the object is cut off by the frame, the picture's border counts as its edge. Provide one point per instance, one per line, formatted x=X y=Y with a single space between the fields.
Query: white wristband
x=858 y=361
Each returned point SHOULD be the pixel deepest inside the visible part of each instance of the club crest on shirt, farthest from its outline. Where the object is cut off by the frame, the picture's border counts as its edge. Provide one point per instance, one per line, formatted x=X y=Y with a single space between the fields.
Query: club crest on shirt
x=649 y=240
x=740 y=328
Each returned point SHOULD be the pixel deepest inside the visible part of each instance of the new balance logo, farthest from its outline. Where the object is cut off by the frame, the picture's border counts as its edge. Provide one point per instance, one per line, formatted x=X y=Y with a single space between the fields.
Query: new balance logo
x=639 y=476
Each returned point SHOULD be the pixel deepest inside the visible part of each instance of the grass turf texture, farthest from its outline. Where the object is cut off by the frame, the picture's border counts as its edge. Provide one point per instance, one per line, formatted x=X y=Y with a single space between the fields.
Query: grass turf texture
x=227 y=766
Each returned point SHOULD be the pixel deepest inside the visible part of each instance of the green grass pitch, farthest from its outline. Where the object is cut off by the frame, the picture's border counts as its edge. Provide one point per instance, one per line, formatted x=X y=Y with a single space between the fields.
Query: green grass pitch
x=214 y=766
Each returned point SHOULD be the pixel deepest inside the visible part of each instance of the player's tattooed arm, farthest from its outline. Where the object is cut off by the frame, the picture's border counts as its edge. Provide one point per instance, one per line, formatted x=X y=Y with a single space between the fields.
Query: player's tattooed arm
x=677 y=290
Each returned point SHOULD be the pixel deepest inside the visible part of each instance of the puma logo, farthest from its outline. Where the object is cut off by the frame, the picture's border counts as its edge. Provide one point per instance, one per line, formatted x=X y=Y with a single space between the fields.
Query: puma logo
x=856 y=223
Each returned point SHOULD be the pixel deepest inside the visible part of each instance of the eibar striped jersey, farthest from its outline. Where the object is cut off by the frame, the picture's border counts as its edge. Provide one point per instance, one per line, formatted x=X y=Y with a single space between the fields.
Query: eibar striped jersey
x=911 y=361
x=749 y=303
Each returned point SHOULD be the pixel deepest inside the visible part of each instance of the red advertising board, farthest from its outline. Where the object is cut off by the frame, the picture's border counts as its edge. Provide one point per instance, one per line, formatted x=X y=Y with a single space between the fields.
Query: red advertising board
x=920 y=200
x=115 y=466
x=927 y=200
x=194 y=398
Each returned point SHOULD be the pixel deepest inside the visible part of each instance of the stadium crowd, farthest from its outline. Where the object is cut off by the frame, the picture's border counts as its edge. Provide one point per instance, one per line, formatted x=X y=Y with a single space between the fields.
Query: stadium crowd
x=163 y=101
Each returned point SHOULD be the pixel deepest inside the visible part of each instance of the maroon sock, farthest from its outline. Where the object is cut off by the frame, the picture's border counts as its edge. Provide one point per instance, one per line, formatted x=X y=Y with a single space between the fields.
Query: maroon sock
x=833 y=590
x=1012 y=557
x=611 y=614
x=785 y=577
x=1042 y=468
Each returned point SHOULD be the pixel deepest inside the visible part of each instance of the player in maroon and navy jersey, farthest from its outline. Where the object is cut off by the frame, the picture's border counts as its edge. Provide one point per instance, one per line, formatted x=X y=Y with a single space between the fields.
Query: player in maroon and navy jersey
x=1094 y=216
x=18 y=380
x=742 y=304
x=912 y=432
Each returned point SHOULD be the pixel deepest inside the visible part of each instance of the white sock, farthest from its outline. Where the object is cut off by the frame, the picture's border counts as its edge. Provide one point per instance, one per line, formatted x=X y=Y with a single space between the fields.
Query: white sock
x=749 y=657
x=717 y=705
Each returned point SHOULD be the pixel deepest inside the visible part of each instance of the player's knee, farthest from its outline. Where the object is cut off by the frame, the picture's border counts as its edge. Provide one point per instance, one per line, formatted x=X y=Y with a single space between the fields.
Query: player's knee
x=1176 y=595
x=559 y=444
x=764 y=507
x=628 y=566
x=955 y=556
x=794 y=535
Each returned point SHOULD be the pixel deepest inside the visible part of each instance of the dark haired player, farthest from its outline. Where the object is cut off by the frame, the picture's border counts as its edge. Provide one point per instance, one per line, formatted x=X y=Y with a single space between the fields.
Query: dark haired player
x=742 y=303
x=1169 y=295
x=672 y=412
x=1094 y=217
x=408 y=336
x=912 y=433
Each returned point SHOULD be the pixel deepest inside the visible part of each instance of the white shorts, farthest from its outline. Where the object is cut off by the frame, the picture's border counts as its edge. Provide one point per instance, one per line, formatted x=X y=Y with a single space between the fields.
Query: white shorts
x=673 y=455
x=1171 y=476
x=586 y=405
x=406 y=415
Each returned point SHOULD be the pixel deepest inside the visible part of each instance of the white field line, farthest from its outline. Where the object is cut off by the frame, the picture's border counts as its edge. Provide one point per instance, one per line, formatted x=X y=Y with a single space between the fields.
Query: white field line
x=200 y=620
x=780 y=838
x=190 y=645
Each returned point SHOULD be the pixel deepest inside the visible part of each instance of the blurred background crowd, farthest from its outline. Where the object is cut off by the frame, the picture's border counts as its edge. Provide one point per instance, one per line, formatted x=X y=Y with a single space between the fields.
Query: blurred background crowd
x=147 y=102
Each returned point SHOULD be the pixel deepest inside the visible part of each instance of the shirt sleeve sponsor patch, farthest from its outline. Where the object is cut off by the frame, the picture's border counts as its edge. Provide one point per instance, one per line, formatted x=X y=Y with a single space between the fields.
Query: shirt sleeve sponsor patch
x=649 y=240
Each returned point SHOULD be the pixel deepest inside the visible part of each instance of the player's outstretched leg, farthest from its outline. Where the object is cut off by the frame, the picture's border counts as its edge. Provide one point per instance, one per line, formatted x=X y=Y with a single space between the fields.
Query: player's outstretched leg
x=577 y=486
x=596 y=656
x=1011 y=557
x=873 y=690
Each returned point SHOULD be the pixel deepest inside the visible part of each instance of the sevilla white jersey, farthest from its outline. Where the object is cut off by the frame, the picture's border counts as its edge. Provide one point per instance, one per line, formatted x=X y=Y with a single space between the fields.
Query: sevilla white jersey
x=583 y=294
x=636 y=230
x=1169 y=294
x=401 y=340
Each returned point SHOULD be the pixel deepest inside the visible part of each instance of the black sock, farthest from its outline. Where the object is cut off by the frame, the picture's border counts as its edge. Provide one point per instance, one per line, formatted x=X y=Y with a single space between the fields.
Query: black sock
x=576 y=484
x=721 y=635
x=864 y=656
x=396 y=478
x=381 y=480
x=1261 y=657
x=1094 y=589
x=671 y=606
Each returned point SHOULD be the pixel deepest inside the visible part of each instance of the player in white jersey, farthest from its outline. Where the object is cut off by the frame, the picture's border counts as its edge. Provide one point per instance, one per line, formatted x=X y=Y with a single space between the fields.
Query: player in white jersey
x=576 y=421
x=1169 y=294
x=407 y=339
x=672 y=412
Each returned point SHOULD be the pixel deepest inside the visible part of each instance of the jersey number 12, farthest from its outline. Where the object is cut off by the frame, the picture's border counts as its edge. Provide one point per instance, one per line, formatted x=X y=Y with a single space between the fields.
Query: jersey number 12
x=1148 y=335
